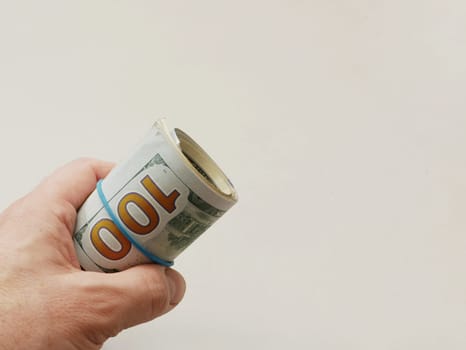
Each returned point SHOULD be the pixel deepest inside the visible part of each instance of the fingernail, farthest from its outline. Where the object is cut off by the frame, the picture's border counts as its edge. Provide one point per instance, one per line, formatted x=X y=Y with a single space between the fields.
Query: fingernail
x=177 y=286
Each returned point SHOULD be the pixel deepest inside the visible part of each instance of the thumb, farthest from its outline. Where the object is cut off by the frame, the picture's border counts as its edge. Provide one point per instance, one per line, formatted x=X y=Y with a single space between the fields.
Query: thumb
x=147 y=291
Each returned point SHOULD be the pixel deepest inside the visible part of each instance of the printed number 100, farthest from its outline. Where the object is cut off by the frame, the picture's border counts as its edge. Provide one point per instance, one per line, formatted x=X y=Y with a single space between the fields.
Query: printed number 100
x=167 y=202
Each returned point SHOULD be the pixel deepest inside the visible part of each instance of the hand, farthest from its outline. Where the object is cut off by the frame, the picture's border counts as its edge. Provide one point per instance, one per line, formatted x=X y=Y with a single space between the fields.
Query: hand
x=46 y=301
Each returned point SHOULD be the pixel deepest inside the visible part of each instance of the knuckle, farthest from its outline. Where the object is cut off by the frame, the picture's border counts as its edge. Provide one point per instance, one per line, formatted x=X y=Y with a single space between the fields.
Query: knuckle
x=84 y=161
x=97 y=313
x=156 y=285
x=65 y=213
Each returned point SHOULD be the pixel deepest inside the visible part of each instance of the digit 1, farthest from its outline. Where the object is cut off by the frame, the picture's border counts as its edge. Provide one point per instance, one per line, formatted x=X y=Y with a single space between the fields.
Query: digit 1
x=168 y=202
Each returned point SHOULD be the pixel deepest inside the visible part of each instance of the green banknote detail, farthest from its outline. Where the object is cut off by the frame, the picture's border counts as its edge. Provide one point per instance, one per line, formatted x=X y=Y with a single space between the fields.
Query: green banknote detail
x=188 y=225
x=193 y=197
x=182 y=230
x=78 y=236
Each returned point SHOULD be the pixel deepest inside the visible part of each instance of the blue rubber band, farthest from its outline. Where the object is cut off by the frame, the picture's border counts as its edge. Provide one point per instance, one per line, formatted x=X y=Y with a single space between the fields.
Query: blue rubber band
x=149 y=255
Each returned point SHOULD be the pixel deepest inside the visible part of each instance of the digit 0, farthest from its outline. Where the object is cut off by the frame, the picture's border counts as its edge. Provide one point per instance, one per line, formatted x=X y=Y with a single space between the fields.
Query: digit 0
x=102 y=247
x=167 y=202
x=145 y=207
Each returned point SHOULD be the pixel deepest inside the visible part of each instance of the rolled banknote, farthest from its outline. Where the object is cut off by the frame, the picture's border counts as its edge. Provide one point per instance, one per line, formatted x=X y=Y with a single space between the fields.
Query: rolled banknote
x=153 y=205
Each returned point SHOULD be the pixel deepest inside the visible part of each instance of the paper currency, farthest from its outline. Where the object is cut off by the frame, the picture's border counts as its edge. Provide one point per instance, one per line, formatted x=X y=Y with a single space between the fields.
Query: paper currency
x=163 y=197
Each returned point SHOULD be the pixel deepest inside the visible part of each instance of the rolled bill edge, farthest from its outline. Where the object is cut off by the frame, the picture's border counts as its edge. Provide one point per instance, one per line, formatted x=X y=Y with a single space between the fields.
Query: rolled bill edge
x=174 y=163
x=185 y=155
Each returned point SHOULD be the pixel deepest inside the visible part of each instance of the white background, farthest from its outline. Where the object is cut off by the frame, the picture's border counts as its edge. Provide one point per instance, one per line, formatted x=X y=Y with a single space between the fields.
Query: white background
x=342 y=124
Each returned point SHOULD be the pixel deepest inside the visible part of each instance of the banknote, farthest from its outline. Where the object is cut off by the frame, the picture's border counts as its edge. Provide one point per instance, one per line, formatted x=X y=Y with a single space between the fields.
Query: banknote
x=152 y=205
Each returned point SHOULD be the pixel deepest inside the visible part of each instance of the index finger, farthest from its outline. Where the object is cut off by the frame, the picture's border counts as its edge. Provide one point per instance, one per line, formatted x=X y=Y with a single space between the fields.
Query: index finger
x=75 y=181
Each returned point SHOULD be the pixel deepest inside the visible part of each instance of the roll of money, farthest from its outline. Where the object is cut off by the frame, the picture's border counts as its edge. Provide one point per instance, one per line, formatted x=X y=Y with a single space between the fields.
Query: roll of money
x=152 y=205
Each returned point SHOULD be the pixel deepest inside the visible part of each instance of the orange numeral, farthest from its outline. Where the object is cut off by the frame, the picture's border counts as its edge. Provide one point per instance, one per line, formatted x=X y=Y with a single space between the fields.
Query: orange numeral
x=102 y=247
x=167 y=202
x=148 y=210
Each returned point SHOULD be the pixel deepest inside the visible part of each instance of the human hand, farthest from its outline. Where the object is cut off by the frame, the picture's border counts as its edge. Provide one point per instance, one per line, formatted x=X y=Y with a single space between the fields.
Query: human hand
x=46 y=301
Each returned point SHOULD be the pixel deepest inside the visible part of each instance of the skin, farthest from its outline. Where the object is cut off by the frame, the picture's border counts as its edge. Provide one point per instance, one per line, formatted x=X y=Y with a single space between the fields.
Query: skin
x=46 y=301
